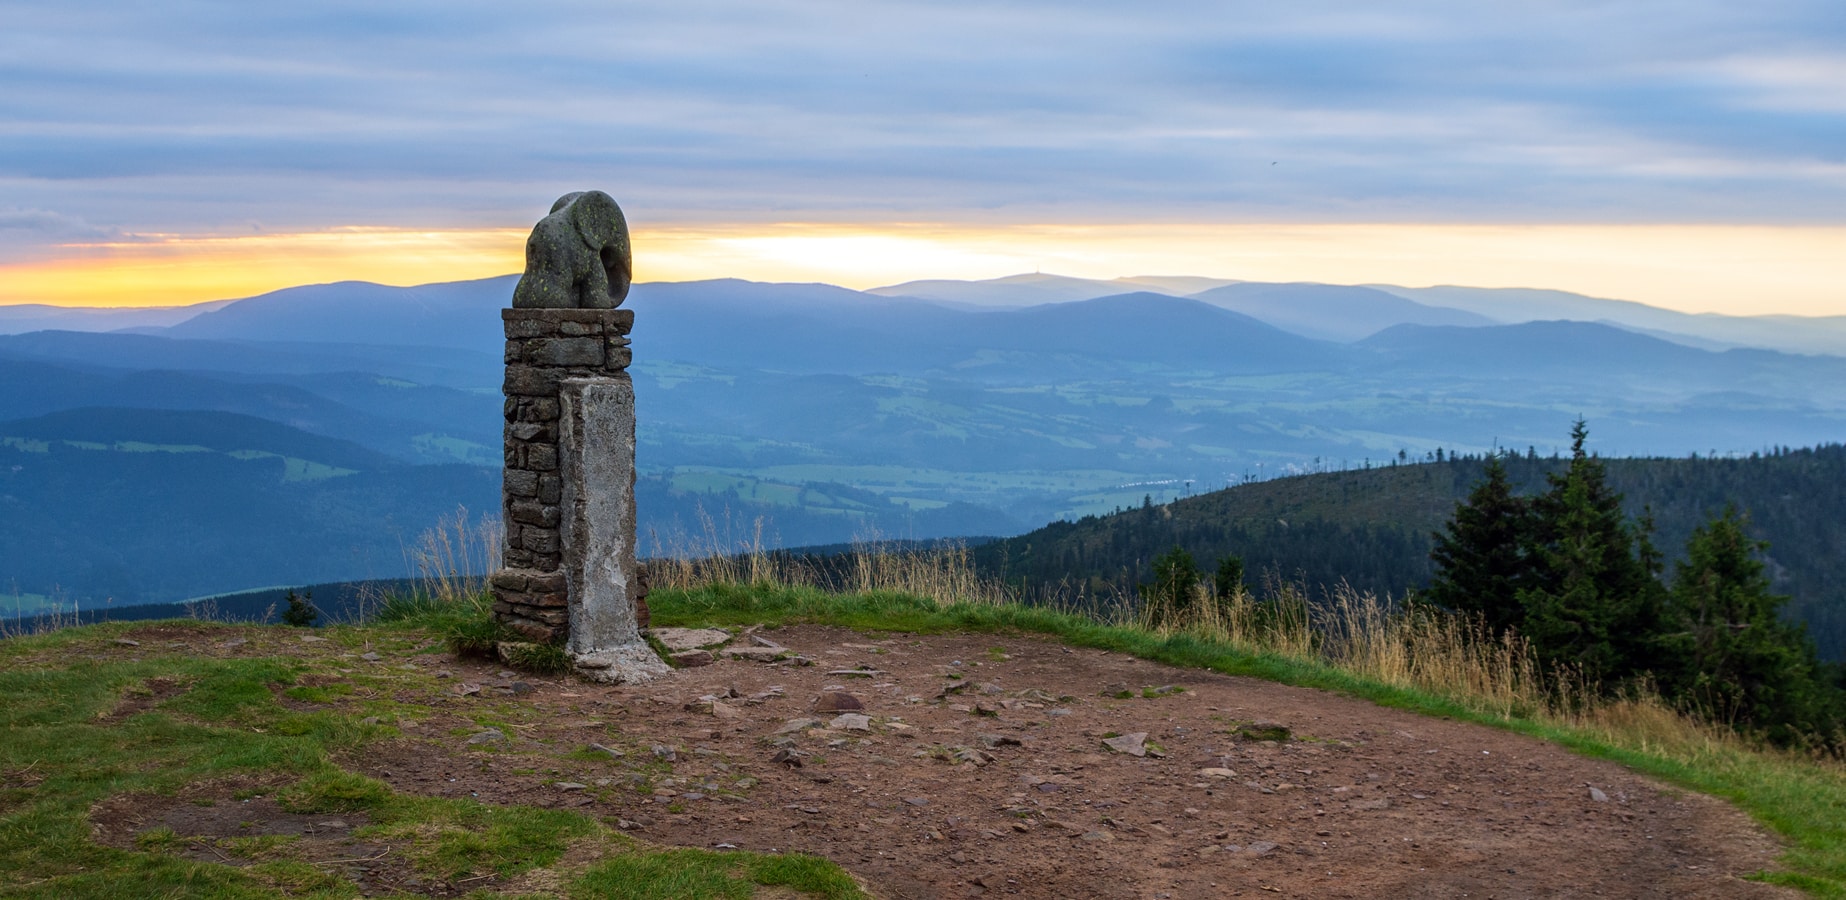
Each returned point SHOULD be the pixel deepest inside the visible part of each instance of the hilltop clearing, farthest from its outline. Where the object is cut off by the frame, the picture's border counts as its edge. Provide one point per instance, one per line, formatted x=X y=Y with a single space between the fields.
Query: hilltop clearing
x=371 y=759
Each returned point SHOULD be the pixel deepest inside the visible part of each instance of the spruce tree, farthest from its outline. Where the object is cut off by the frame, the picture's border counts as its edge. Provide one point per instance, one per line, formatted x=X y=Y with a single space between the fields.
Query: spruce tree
x=1229 y=579
x=301 y=611
x=1174 y=588
x=1734 y=659
x=1480 y=560
x=1592 y=602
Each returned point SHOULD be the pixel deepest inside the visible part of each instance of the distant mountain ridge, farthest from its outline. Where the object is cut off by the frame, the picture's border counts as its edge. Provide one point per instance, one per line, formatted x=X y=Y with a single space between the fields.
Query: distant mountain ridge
x=449 y=314
x=827 y=413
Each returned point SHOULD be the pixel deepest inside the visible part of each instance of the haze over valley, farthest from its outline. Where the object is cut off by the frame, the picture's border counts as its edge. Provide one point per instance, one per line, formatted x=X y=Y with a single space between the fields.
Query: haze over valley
x=264 y=432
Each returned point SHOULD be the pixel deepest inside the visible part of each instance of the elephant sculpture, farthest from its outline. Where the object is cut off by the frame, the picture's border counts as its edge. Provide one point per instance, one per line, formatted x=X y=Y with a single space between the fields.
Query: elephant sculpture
x=577 y=257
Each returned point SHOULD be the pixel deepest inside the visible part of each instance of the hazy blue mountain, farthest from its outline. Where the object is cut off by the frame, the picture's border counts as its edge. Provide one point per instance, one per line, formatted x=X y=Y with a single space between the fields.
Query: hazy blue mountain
x=816 y=329
x=140 y=520
x=414 y=423
x=827 y=412
x=129 y=506
x=1035 y=289
x=1793 y=334
x=452 y=367
x=187 y=431
x=24 y=317
x=1331 y=312
x=1587 y=352
x=1010 y=292
x=462 y=314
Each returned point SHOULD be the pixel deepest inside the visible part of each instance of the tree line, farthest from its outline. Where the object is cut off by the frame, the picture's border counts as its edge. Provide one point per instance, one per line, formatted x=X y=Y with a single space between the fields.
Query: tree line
x=1586 y=585
x=1372 y=529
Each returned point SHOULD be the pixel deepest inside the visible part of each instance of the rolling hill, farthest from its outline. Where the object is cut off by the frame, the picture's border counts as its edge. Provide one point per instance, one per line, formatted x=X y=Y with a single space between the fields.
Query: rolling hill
x=1371 y=528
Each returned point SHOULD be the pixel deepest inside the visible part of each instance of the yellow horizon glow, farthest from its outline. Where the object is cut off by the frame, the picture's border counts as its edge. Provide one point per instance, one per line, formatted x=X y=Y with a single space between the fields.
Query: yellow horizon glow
x=1739 y=270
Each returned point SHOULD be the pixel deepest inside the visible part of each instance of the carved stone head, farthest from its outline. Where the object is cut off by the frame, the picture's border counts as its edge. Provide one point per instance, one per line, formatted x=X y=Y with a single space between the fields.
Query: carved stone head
x=577 y=257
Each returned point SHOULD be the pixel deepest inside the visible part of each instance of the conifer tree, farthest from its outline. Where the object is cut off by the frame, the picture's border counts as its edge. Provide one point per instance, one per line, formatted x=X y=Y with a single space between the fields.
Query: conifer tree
x=301 y=611
x=1480 y=560
x=1229 y=579
x=1592 y=602
x=1735 y=659
x=1174 y=588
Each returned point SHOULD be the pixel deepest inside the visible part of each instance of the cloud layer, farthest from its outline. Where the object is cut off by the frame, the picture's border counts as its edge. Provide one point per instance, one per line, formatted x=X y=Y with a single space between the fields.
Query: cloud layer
x=211 y=117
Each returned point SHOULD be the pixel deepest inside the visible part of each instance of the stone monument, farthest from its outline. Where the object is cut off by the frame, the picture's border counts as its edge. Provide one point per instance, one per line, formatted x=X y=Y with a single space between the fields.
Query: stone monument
x=568 y=492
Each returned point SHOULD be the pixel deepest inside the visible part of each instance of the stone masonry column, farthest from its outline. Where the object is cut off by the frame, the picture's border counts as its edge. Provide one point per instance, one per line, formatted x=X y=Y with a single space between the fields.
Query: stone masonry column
x=568 y=490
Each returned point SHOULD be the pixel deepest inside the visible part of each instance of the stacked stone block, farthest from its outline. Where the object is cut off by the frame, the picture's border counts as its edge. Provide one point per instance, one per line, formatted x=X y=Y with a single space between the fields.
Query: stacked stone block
x=544 y=347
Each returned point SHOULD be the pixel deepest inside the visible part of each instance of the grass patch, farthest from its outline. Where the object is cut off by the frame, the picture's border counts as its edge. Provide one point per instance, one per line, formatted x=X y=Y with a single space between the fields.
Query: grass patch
x=541 y=659
x=82 y=726
x=710 y=875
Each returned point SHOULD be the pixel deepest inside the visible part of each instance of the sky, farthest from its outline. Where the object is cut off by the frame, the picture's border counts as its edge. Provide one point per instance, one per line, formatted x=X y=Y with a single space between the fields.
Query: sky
x=1689 y=154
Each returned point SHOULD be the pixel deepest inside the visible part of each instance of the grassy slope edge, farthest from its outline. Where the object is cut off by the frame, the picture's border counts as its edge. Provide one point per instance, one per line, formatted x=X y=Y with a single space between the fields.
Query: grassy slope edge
x=1802 y=801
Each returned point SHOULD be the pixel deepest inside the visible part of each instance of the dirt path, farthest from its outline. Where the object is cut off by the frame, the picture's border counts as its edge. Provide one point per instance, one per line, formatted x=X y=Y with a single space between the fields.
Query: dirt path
x=1006 y=787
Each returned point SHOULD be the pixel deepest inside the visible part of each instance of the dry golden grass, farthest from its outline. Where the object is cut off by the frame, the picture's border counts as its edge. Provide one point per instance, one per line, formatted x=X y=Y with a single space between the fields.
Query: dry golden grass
x=454 y=558
x=1375 y=639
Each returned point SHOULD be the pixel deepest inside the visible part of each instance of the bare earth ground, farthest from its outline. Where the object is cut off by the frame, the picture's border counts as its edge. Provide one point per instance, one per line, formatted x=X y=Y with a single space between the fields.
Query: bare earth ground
x=1005 y=787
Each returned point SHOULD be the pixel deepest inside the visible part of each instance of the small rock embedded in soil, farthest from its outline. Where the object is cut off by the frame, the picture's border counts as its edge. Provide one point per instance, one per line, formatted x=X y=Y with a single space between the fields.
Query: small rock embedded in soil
x=677 y=639
x=1132 y=744
x=752 y=654
x=664 y=752
x=837 y=702
x=609 y=750
x=570 y=786
x=125 y=642
x=971 y=755
x=691 y=659
x=1598 y=796
x=487 y=737
x=851 y=722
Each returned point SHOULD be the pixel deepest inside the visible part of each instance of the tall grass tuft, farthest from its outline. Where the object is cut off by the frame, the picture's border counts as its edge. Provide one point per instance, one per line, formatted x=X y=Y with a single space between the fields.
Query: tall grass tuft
x=453 y=560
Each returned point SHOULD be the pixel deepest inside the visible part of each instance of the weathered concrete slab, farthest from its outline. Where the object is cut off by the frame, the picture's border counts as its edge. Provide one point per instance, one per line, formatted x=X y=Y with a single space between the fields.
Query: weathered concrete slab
x=596 y=448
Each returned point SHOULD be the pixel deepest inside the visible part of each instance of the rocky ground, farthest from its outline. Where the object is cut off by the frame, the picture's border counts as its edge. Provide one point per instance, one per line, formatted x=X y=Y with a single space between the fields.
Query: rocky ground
x=955 y=765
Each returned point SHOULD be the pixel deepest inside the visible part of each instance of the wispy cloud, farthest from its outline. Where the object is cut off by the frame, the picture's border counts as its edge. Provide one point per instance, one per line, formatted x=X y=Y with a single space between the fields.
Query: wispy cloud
x=217 y=117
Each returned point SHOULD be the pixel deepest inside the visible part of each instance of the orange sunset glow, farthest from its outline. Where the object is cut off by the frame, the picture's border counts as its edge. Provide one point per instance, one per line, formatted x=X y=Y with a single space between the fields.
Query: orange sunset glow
x=1741 y=270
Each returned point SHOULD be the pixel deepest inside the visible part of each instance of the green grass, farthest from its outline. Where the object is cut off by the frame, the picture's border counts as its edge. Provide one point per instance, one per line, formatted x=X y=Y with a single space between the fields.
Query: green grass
x=85 y=721
x=1803 y=802
x=701 y=874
